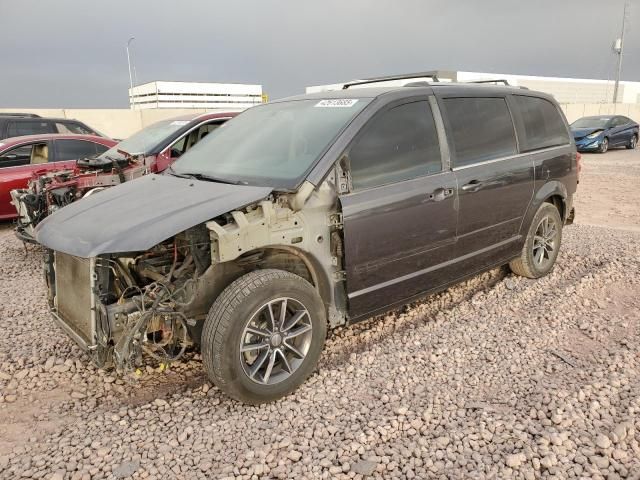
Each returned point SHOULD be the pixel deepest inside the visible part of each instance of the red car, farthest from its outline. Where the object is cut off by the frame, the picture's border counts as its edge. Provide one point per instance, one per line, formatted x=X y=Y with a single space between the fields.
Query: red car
x=150 y=150
x=22 y=157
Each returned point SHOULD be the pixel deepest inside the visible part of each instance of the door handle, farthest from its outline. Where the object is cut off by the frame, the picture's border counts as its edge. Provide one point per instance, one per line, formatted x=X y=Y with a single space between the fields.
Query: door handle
x=440 y=194
x=473 y=186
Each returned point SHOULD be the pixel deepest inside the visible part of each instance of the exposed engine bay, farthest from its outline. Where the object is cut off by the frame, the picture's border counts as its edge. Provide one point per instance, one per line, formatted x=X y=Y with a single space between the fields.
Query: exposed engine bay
x=119 y=306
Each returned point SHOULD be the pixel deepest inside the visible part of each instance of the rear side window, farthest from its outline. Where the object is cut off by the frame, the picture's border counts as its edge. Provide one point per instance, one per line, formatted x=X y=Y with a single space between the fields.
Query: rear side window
x=398 y=144
x=481 y=129
x=73 y=127
x=76 y=149
x=29 y=127
x=543 y=125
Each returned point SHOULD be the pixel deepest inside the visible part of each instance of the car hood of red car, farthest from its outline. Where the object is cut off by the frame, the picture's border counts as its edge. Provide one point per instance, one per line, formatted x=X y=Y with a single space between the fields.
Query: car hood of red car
x=139 y=214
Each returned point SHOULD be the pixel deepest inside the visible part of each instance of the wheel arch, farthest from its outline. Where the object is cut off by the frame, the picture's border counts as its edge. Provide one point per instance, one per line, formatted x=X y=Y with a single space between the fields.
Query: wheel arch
x=290 y=259
x=553 y=192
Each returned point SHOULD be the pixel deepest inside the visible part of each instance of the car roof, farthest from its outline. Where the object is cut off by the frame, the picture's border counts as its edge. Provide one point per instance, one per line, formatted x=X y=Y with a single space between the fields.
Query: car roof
x=601 y=116
x=419 y=87
x=19 y=118
x=56 y=136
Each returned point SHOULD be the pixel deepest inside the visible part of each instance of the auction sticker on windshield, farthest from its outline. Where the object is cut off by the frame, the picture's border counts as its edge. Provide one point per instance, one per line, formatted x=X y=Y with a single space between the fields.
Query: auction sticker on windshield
x=179 y=122
x=337 y=103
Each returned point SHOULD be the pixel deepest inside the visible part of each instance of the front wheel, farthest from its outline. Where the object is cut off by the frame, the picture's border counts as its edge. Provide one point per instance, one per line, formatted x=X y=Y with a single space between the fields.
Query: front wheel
x=542 y=244
x=604 y=146
x=633 y=143
x=263 y=336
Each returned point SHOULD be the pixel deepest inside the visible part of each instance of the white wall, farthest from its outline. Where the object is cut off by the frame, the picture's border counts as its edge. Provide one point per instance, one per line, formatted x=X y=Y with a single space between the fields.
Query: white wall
x=115 y=123
x=120 y=123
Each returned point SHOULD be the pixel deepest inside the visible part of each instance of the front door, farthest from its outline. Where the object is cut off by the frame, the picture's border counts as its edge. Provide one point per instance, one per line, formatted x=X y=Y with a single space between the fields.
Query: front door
x=17 y=166
x=620 y=132
x=400 y=217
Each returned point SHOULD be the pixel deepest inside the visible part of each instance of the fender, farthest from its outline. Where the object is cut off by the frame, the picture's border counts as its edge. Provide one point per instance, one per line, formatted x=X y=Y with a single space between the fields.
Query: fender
x=549 y=189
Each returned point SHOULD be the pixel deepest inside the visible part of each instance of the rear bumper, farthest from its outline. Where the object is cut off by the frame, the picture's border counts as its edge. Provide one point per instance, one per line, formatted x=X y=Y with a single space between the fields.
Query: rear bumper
x=570 y=217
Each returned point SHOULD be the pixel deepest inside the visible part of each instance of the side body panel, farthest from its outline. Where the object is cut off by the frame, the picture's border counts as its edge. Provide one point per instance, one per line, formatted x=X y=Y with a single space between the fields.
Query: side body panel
x=493 y=200
x=398 y=240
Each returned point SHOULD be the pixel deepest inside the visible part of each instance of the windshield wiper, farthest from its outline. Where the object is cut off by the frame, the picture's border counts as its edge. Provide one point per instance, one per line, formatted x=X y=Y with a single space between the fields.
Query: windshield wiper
x=210 y=178
x=204 y=177
x=173 y=173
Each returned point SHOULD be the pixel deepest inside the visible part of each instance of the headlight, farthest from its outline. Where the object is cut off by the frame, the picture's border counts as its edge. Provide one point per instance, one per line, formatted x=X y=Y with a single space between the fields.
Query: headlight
x=595 y=134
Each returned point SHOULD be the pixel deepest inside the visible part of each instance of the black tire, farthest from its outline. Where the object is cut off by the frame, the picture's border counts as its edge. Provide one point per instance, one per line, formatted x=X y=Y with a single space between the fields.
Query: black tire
x=528 y=264
x=238 y=306
x=604 y=146
x=633 y=143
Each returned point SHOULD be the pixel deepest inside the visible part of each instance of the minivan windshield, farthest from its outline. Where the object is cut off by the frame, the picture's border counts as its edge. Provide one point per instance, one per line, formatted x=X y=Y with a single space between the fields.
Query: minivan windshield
x=145 y=139
x=591 y=122
x=270 y=145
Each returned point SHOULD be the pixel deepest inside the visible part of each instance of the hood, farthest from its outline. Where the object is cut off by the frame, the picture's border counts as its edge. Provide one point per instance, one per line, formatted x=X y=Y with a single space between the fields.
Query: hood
x=139 y=214
x=583 y=132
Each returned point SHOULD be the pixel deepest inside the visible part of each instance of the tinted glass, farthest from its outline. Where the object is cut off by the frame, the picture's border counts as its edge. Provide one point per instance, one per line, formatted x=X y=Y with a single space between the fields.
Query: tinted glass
x=100 y=149
x=74 y=149
x=272 y=144
x=397 y=144
x=481 y=129
x=16 y=156
x=619 y=121
x=73 y=127
x=543 y=125
x=29 y=127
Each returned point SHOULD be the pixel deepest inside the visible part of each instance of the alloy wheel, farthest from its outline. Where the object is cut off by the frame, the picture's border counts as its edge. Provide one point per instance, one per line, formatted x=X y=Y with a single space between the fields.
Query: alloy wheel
x=604 y=146
x=545 y=242
x=275 y=341
x=634 y=142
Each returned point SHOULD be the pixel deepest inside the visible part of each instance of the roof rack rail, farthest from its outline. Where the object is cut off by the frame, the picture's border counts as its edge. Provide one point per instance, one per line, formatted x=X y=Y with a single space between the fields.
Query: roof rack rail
x=495 y=81
x=18 y=114
x=433 y=75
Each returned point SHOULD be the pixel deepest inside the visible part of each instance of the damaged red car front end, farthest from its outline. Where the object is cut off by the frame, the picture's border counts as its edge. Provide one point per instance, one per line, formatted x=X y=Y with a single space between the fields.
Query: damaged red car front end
x=150 y=150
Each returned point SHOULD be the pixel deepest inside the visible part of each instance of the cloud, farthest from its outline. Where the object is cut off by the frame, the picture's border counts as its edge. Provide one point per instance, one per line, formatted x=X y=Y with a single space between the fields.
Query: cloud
x=71 y=53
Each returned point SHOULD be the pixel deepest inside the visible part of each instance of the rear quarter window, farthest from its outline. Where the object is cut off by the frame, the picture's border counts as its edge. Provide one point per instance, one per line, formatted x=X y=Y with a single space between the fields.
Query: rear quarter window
x=542 y=123
x=73 y=127
x=481 y=129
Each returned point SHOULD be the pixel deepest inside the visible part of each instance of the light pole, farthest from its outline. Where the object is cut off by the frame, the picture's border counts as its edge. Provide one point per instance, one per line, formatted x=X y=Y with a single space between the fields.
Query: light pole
x=130 y=77
x=618 y=48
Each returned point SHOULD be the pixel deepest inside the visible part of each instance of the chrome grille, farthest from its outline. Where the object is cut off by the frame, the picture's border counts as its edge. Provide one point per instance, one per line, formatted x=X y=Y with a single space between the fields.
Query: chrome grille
x=73 y=294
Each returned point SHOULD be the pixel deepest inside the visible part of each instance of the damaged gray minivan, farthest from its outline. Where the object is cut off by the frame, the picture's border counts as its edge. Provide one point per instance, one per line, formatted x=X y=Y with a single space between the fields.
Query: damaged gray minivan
x=308 y=213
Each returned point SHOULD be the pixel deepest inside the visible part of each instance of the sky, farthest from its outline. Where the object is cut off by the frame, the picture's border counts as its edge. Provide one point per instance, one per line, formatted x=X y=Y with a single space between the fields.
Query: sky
x=71 y=53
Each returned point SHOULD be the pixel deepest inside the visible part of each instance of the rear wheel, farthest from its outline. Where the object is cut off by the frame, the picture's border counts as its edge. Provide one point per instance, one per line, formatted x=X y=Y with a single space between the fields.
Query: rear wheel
x=604 y=146
x=263 y=335
x=633 y=143
x=542 y=244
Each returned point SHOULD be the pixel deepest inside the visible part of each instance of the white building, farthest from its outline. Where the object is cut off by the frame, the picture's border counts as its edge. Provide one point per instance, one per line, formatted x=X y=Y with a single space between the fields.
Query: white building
x=209 y=96
x=565 y=90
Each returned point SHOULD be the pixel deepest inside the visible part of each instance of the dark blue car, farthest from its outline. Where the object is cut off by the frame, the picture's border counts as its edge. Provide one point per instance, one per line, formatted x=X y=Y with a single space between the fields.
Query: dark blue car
x=599 y=133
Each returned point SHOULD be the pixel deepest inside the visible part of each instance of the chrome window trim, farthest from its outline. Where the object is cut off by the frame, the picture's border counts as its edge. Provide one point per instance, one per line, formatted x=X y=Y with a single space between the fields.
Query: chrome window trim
x=511 y=157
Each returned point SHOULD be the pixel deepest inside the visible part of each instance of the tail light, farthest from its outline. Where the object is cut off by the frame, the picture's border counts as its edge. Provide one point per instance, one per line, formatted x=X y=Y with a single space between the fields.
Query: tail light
x=578 y=165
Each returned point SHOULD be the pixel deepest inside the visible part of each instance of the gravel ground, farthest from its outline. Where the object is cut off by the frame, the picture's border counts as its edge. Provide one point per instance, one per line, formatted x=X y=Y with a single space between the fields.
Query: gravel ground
x=499 y=377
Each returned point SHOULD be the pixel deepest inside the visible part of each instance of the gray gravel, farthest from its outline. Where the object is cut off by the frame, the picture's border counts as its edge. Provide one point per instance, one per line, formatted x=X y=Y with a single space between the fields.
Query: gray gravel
x=499 y=377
